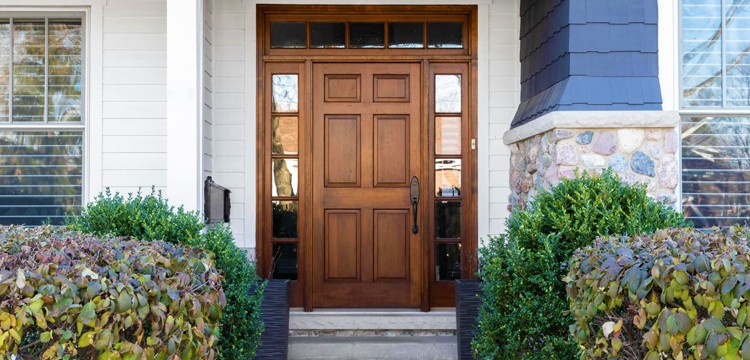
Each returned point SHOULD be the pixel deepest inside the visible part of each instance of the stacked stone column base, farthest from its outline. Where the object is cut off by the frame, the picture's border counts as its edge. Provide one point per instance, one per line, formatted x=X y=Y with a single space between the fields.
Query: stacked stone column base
x=645 y=155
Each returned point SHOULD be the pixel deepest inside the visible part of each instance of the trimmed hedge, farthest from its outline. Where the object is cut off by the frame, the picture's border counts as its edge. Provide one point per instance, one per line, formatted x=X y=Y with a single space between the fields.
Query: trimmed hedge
x=523 y=312
x=150 y=217
x=67 y=295
x=678 y=293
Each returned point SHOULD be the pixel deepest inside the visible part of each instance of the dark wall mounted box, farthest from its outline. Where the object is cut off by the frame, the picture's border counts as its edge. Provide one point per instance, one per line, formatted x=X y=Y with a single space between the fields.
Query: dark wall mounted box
x=216 y=202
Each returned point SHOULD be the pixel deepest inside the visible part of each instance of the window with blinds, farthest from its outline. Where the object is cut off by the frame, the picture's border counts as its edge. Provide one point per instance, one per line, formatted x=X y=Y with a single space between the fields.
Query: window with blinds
x=41 y=121
x=715 y=84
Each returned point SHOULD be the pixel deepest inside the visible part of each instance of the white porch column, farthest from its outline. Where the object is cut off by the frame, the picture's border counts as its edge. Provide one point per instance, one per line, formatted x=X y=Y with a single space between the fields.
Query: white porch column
x=184 y=28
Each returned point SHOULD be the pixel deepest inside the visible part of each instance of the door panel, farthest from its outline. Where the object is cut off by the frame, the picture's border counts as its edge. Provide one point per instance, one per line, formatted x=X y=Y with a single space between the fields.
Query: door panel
x=366 y=147
x=391 y=244
x=342 y=245
x=342 y=150
x=391 y=143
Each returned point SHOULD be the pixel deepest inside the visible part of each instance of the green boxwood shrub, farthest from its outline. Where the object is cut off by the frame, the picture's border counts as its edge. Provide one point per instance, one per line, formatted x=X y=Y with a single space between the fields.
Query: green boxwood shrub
x=67 y=295
x=150 y=217
x=523 y=312
x=675 y=294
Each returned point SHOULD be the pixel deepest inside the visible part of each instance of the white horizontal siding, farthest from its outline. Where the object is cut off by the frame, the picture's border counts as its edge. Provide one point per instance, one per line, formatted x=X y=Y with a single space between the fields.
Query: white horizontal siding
x=208 y=88
x=504 y=97
x=229 y=110
x=134 y=94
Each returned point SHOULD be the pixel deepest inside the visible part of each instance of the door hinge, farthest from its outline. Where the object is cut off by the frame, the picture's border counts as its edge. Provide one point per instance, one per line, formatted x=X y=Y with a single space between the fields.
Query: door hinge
x=473 y=144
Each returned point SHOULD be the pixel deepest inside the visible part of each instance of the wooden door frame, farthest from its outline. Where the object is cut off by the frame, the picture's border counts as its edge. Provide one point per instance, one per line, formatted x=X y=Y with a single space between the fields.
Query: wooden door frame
x=305 y=59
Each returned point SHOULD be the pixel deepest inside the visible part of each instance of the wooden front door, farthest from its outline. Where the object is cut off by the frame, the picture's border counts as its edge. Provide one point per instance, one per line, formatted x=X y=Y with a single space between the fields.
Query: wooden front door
x=354 y=101
x=366 y=148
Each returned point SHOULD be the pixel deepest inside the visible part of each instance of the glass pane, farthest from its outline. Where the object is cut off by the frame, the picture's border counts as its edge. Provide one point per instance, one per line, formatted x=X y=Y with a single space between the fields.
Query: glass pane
x=448 y=177
x=65 y=71
x=448 y=93
x=448 y=135
x=40 y=176
x=445 y=35
x=701 y=53
x=28 y=70
x=284 y=129
x=4 y=70
x=284 y=261
x=284 y=219
x=736 y=50
x=716 y=170
x=285 y=92
x=285 y=177
x=366 y=35
x=448 y=262
x=405 y=35
x=448 y=219
x=289 y=35
x=327 y=35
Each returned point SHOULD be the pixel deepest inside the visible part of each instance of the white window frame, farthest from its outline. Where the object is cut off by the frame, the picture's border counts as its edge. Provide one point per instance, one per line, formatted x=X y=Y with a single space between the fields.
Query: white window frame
x=47 y=13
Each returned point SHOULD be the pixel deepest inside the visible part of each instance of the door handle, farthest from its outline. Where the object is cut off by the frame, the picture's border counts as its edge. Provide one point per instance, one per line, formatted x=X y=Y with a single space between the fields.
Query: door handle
x=414 y=193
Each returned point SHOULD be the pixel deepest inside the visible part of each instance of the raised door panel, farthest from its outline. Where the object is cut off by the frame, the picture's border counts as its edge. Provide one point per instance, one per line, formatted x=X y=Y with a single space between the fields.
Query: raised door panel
x=391 y=150
x=391 y=88
x=342 y=151
x=343 y=88
x=391 y=236
x=342 y=244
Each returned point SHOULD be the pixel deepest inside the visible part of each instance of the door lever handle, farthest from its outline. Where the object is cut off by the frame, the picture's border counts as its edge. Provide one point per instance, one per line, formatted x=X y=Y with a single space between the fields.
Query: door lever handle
x=414 y=193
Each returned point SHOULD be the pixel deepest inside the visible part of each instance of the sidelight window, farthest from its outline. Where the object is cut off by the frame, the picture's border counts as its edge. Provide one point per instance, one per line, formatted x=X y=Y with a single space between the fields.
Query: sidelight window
x=447 y=154
x=41 y=119
x=284 y=174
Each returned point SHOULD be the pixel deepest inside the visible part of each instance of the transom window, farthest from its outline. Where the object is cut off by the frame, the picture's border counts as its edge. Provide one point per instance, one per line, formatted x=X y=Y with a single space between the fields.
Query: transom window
x=716 y=111
x=41 y=119
x=367 y=35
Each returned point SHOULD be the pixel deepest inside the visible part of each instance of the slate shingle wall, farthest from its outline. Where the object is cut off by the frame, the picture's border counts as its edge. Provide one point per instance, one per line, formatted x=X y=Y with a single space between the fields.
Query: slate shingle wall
x=588 y=55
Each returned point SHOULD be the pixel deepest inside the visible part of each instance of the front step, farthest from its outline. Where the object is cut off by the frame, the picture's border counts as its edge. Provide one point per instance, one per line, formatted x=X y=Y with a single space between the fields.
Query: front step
x=373 y=347
x=372 y=334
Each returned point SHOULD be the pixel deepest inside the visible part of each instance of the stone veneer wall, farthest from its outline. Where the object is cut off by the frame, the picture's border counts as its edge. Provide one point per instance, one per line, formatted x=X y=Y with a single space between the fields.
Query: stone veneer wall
x=638 y=155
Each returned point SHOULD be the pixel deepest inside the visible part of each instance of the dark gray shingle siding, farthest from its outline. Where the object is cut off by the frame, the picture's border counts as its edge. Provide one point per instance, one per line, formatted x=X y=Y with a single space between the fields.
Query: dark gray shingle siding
x=588 y=55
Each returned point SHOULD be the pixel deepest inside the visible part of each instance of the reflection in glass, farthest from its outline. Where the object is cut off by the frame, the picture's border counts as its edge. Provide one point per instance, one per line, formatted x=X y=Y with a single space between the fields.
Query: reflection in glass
x=448 y=177
x=448 y=135
x=285 y=177
x=716 y=170
x=405 y=35
x=366 y=35
x=448 y=262
x=284 y=219
x=65 y=71
x=5 y=60
x=448 y=93
x=28 y=70
x=736 y=50
x=327 y=35
x=701 y=53
x=289 y=35
x=40 y=176
x=284 y=135
x=446 y=35
x=284 y=261
x=285 y=92
x=448 y=219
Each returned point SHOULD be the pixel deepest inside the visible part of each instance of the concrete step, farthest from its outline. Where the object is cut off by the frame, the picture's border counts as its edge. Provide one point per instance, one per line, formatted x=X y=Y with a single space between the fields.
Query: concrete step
x=373 y=334
x=373 y=347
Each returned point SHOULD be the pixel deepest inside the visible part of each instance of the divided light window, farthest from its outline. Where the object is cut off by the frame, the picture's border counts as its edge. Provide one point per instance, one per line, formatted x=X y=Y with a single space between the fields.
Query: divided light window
x=716 y=111
x=41 y=119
